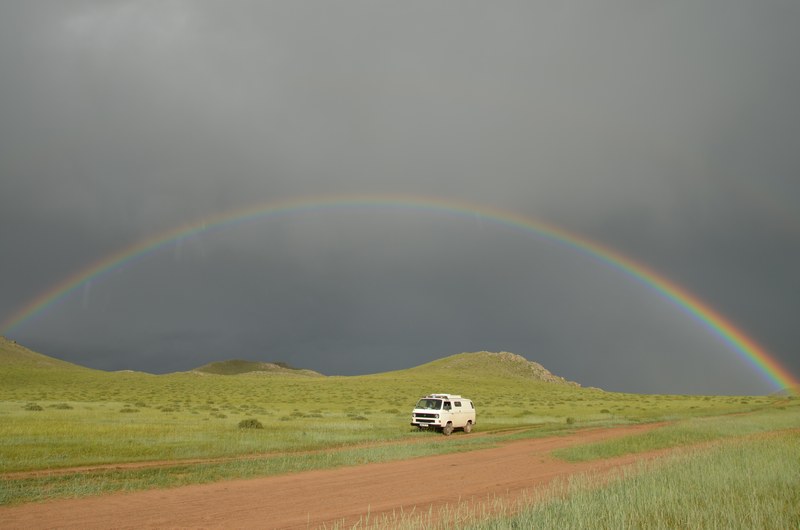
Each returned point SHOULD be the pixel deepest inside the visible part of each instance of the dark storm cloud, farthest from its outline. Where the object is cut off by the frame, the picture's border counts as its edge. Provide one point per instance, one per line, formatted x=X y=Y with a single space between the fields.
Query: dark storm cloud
x=668 y=131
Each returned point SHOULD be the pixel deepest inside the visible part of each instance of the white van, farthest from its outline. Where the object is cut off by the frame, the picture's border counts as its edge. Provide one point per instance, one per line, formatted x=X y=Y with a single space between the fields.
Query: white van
x=444 y=412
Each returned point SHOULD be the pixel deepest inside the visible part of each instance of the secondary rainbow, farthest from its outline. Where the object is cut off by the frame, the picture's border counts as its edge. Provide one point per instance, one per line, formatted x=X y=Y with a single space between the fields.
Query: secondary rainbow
x=745 y=347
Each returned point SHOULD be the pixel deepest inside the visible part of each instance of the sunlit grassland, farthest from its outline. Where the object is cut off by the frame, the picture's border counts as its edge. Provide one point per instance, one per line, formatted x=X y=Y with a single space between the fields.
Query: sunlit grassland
x=97 y=481
x=742 y=484
x=96 y=417
x=63 y=416
x=749 y=477
x=687 y=432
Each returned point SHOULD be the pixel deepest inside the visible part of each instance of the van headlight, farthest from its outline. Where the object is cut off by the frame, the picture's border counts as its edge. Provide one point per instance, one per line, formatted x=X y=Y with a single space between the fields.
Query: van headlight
x=435 y=415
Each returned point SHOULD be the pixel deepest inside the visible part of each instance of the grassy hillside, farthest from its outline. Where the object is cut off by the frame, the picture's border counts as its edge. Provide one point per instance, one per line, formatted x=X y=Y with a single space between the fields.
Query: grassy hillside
x=237 y=367
x=507 y=389
x=483 y=364
x=14 y=356
x=54 y=414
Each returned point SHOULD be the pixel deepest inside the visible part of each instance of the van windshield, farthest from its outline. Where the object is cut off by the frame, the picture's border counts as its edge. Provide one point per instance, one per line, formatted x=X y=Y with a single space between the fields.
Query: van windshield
x=425 y=403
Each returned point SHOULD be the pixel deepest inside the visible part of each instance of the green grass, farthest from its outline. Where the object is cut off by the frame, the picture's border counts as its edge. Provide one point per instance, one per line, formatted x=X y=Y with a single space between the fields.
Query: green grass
x=747 y=482
x=15 y=489
x=740 y=484
x=175 y=418
x=36 y=488
x=57 y=415
x=687 y=432
x=101 y=433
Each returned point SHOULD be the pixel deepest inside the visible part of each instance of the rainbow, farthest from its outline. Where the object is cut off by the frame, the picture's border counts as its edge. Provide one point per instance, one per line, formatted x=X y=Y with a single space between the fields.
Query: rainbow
x=746 y=348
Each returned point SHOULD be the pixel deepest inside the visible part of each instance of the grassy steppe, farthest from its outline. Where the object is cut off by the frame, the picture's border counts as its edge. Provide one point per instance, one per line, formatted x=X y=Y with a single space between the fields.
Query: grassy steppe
x=750 y=483
x=57 y=415
x=740 y=482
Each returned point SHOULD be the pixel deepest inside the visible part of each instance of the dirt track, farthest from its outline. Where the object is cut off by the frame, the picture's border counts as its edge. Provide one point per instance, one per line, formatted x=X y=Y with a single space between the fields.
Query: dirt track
x=309 y=499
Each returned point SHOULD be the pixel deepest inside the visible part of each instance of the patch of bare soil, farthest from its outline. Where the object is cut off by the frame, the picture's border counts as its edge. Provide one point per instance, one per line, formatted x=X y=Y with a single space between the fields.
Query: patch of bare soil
x=315 y=498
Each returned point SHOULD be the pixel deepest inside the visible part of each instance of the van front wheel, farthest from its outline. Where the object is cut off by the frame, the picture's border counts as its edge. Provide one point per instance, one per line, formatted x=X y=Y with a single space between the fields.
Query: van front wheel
x=447 y=430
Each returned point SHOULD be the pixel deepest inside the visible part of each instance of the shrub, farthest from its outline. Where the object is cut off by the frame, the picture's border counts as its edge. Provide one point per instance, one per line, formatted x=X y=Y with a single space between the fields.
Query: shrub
x=33 y=406
x=570 y=420
x=251 y=423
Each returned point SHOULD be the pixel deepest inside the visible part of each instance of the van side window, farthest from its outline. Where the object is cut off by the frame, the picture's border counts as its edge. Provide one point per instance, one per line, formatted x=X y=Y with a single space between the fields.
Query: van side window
x=446 y=405
x=457 y=403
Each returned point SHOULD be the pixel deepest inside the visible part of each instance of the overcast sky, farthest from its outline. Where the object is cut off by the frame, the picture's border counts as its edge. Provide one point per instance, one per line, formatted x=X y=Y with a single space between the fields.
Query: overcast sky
x=669 y=131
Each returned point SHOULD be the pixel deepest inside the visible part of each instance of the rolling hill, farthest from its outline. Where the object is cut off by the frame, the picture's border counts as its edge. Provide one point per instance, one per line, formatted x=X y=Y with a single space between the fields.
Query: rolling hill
x=466 y=366
x=17 y=356
x=237 y=367
x=490 y=365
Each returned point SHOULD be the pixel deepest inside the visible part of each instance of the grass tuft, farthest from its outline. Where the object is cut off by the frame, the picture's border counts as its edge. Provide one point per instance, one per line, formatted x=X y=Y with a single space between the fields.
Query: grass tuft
x=251 y=423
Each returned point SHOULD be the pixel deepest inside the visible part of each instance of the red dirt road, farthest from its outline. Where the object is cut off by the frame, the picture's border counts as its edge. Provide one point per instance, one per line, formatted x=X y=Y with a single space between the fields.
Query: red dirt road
x=311 y=499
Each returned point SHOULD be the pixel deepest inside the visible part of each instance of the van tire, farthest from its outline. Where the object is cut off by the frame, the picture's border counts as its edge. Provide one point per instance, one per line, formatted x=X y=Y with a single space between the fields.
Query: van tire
x=447 y=430
x=468 y=427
